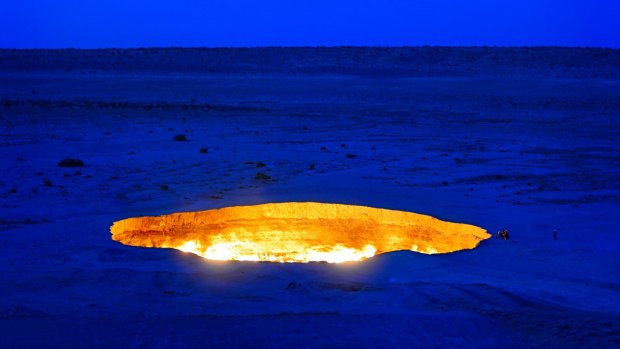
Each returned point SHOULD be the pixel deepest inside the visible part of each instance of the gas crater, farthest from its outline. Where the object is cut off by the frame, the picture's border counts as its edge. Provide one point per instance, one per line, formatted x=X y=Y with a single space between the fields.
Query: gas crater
x=297 y=232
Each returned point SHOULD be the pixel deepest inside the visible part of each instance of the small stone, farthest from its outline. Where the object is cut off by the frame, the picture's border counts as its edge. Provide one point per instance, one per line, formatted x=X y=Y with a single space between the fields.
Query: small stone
x=262 y=176
x=71 y=162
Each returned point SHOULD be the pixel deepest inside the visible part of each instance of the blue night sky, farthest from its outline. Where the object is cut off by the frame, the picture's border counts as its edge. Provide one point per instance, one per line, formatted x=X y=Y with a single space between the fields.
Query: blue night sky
x=126 y=23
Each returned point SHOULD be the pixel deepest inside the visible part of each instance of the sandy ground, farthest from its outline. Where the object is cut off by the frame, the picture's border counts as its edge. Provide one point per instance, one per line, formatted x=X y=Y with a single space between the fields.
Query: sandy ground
x=529 y=143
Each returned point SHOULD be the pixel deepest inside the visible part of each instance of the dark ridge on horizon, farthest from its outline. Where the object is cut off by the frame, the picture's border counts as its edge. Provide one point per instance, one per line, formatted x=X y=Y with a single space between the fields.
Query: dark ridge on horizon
x=309 y=47
x=575 y=62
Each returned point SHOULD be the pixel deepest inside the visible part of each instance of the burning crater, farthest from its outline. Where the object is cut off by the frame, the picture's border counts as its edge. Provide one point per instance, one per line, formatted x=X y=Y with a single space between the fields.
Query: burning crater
x=297 y=232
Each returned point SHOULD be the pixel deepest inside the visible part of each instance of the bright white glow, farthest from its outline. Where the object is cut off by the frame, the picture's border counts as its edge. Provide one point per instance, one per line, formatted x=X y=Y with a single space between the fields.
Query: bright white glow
x=249 y=251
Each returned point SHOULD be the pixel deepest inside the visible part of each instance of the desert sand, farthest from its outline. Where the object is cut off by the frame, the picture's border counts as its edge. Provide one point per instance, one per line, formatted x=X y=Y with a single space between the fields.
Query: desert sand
x=526 y=139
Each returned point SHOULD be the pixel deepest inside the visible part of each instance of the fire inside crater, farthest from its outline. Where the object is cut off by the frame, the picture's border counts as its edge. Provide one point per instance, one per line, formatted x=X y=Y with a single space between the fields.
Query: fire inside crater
x=297 y=232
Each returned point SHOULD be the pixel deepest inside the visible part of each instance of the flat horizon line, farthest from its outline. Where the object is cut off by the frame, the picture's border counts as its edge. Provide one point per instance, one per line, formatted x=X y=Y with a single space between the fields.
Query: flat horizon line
x=303 y=47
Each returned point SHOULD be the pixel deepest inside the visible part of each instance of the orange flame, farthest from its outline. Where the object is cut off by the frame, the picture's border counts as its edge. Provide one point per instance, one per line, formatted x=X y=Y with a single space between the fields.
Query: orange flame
x=297 y=232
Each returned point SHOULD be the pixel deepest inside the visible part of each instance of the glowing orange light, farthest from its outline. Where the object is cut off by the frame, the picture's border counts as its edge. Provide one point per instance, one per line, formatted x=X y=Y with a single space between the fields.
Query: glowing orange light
x=297 y=232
